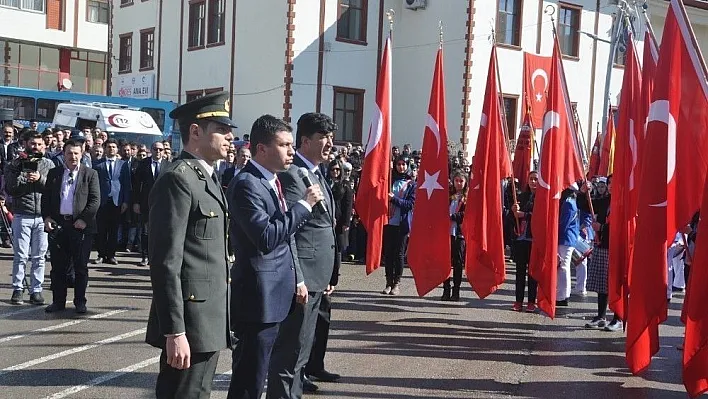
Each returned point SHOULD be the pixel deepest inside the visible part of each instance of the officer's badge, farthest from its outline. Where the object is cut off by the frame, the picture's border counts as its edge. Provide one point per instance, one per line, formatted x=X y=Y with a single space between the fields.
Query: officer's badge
x=227 y=105
x=198 y=172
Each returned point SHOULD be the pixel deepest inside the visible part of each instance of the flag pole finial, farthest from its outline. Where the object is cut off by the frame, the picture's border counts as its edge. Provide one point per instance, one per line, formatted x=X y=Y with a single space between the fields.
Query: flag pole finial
x=440 y=29
x=390 y=14
x=550 y=10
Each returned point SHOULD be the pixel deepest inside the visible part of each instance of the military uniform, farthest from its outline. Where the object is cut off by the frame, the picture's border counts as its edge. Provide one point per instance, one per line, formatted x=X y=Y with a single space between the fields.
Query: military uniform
x=189 y=265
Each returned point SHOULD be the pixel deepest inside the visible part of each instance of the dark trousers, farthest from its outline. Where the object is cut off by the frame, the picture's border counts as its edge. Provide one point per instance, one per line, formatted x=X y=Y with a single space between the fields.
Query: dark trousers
x=522 y=254
x=458 y=261
x=250 y=359
x=319 y=347
x=394 y=253
x=70 y=251
x=194 y=382
x=107 y=224
x=144 y=240
x=292 y=349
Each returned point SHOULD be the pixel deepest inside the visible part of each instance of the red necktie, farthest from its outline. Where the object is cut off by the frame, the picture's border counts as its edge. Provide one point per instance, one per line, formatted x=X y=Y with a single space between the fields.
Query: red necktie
x=281 y=199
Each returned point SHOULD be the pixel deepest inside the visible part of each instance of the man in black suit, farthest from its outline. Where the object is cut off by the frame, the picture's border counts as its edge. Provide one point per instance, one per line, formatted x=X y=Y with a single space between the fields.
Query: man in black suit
x=145 y=176
x=315 y=251
x=69 y=206
x=114 y=181
x=264 y=274
x=189 y=263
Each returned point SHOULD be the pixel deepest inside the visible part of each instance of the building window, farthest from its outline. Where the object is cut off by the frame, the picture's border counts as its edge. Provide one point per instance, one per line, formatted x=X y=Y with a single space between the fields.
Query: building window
x=510 y=103
x=97 y=11
x=351 y=22
x=509 y=22
x=147 y=48
x=192 y=95
x=348 y=113
x=217 y=21
x=31 y=5
x=126 y=2
x=568 y=29
x=125 y=56
x=197 y=22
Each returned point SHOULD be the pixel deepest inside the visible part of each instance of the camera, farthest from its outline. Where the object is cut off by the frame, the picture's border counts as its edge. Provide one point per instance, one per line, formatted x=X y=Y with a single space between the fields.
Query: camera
x=31 y=162
x=56 y=229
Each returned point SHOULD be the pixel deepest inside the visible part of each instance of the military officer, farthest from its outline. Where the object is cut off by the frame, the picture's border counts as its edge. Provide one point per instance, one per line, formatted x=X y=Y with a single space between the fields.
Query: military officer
x=189 y=266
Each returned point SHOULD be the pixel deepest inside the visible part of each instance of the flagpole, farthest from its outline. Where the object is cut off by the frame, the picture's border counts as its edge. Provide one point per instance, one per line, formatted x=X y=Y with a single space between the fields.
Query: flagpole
x=505 y=126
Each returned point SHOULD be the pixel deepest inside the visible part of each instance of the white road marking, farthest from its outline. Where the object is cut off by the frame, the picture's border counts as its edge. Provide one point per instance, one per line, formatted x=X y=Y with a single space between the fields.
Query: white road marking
x=21 y=311
x=104 y=378
x=224 y=377
x=72 y=351
x=63 y=325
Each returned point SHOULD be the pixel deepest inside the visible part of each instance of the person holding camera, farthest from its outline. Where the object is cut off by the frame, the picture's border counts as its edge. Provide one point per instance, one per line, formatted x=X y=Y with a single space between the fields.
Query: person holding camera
x=24 y=181
x=69 y=206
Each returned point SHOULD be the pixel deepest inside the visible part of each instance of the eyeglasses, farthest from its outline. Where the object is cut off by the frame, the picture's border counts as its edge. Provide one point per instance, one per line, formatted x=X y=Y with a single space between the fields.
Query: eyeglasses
x=159 y=149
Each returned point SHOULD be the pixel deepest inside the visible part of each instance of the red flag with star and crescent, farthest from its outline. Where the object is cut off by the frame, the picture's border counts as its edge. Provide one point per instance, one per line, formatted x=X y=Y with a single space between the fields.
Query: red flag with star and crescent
x=537 y=69
x=372 y=196
x=482 y=224
x=429 y=244
x=671 y=191
x=559 y=167
x=622 y=221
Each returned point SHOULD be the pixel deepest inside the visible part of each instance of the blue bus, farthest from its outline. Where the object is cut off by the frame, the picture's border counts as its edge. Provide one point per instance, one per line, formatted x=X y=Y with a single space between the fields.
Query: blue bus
x=41 y=105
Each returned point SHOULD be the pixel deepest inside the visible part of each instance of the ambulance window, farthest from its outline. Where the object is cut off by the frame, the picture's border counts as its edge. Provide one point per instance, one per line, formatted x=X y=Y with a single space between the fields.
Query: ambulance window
x=158 y=115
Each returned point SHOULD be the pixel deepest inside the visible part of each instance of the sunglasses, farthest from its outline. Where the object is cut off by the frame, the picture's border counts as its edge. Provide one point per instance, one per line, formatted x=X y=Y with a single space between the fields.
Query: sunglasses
x=159 y=149
x=336 y=169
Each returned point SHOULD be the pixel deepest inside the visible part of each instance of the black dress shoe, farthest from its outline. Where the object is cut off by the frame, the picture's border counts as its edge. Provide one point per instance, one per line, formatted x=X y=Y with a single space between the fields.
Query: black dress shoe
x=112 y=261
x=308 y=386
x=81 y=309
x=324 y=376
x=54 y=307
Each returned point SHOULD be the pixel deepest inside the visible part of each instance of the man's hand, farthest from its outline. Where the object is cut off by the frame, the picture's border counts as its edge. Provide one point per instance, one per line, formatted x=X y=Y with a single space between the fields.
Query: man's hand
x=301 y=294
x=329 y=290
x=390 y=195
x=48 y=222
x=345 y=228
x=178 y=352
x=123 y=207
x=515 y=207
x=585 y=187
x=79 y=224
x=33 y=177
x=313 y=195
x=136 y=208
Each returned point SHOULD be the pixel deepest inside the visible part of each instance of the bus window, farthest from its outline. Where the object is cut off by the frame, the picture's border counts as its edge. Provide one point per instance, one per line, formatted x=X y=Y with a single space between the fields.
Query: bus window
x=46 y=109
x=23 y=106
x=158 y=115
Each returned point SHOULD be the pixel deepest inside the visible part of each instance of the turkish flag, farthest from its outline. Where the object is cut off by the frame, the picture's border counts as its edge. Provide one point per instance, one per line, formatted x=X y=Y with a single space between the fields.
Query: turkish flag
x=630 y=132
x=595 y=156
x=537 y=70
x=607 y=154
x=372 y=195
x=522 y=153
x=671 y=184
x=649 y=62
x=482 y=224
x=429 y=243
x=559 y=167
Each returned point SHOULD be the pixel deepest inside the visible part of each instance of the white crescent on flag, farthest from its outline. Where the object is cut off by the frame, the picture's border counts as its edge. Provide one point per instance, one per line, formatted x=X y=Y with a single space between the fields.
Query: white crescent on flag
x=434 y=127
x=550 y=120
x=375 y=130
x=633 y=147
x=659 y=111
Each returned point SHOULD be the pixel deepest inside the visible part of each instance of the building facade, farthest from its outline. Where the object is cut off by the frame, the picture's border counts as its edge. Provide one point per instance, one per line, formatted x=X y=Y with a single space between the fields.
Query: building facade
x=54 y=44
x=288 y=57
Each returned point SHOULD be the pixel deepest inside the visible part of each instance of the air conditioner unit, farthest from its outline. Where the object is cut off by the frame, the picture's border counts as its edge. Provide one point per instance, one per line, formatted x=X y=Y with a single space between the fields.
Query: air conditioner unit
x=415 y=4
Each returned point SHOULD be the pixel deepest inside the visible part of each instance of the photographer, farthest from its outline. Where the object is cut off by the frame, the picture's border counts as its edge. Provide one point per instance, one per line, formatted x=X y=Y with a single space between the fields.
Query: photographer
x=24 y=181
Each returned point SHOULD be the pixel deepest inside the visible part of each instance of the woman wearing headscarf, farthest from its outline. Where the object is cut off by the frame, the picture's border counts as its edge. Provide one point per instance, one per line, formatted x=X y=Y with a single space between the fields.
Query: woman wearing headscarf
x=401 y=199
x=343 y=195
x=458 y=200
x=522 y=245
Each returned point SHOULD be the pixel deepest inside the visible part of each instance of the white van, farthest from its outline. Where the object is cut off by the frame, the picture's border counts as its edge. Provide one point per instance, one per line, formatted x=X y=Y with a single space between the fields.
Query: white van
x=119 y=121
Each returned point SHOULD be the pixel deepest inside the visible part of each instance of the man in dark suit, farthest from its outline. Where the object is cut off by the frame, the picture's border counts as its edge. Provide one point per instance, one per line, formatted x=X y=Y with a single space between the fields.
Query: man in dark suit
x=243 y=155
x=69 y=206
x=315 y=250
x=264 y=274
x=145 y=176
x=114 y=181
x=189 y=264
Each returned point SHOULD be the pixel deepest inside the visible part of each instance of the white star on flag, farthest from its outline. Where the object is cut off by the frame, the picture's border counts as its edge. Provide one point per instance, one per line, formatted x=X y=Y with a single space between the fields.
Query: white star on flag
x=539 y=97
x=431 y=183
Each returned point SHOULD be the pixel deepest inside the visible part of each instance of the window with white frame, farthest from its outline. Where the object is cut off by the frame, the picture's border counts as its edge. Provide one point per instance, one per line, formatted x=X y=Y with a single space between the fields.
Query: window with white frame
x=31 y=5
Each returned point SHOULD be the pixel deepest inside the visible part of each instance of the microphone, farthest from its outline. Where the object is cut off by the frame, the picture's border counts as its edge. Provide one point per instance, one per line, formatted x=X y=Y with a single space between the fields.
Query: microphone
x=304 y=175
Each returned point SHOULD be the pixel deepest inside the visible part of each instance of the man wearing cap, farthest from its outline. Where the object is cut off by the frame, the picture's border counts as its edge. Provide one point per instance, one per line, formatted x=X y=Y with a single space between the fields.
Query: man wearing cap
x=189 y=263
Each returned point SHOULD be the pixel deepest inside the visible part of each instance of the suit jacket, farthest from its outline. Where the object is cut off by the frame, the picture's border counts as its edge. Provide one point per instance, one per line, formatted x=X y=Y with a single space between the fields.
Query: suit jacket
x=263 y=285
x=8 y=152
x=189 y=268
x=86 y=196
x=143 y=180
x=315 y=241
x=104 y=180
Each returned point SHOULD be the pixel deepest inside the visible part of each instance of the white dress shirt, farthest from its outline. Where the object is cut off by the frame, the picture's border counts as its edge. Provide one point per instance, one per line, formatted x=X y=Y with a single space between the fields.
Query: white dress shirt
x=154 y=164
x=68 y=187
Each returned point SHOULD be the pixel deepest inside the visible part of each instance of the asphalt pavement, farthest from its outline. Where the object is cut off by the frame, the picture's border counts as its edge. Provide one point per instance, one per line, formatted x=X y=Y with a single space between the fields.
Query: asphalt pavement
x=385 y=347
